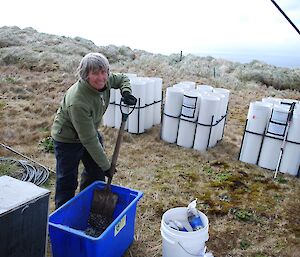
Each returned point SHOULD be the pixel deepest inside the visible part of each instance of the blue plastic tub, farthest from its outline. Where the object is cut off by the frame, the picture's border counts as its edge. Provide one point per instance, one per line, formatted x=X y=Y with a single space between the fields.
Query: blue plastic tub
x=67 y=225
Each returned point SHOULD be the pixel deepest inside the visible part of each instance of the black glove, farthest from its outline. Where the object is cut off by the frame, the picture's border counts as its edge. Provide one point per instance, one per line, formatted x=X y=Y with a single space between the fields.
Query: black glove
x=108 y=174
x=129 y=99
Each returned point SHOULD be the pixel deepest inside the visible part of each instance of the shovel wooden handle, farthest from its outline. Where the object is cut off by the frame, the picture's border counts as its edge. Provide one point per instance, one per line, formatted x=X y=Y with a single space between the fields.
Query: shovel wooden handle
x=118 y=143
x=117 y=148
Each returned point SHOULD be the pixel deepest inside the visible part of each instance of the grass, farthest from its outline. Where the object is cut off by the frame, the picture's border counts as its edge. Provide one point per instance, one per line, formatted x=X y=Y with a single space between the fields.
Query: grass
x=9 y=168
x=249 y=213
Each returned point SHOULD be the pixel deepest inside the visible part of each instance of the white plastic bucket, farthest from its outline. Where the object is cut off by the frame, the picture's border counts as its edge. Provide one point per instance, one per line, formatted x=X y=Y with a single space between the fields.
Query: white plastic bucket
x=180 y=243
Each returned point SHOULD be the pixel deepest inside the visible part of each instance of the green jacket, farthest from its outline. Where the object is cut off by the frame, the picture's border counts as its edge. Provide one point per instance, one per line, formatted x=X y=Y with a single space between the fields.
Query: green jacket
x=80 y=114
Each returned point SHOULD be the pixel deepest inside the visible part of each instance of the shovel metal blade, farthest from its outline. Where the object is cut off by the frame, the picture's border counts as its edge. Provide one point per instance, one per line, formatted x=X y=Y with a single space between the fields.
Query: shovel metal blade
x=104 y=203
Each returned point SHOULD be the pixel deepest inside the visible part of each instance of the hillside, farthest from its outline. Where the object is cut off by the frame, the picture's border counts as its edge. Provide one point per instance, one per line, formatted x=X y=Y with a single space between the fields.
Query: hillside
x=260 y=216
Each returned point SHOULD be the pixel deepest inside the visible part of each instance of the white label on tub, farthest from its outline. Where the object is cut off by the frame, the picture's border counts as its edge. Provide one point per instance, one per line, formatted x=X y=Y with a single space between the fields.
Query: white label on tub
x=120 y=225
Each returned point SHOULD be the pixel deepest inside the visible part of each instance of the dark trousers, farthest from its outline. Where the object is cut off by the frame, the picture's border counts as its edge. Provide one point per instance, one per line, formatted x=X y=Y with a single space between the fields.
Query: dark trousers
x=68 y=156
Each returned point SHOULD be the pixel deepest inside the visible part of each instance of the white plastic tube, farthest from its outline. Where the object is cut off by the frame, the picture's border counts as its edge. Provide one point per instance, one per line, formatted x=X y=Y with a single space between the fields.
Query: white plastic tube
x=150 y=86
x=272 y=100
x=109 y=115
x=270 y=152
x=130 y=75
x=209 y=106
x=291 y=156
x=189 y=115
x=205 y=88
x=136 y=120
x=185 y=85
x=278 y=120
x=223 y=110
x=118 y=114
x=174 y=98
x=158 y=100
x=258 y=116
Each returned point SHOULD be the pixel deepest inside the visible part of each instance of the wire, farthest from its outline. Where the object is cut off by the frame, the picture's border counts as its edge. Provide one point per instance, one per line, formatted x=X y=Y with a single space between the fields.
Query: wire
x=288 y=19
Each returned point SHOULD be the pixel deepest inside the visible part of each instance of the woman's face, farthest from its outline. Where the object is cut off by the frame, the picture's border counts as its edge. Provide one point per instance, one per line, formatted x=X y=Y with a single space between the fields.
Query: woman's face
x=97 y=79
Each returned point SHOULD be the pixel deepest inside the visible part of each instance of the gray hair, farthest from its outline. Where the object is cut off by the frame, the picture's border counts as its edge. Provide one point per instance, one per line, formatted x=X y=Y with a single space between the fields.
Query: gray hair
x=92 y=62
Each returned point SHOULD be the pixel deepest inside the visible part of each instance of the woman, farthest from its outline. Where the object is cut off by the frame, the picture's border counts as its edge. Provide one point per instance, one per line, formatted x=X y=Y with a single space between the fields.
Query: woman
x=74 y=129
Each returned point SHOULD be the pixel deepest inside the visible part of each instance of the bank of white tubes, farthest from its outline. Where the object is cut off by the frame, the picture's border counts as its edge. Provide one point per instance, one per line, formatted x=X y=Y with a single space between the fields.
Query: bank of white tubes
x=194 y=115
x=147 y=112
x=271 y=140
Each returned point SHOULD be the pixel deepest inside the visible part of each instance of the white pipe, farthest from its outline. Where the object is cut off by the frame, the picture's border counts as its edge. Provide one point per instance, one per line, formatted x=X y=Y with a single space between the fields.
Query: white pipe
x=205 y=88
x=150 y=85
x=272 y=100
x=291 y=153
x=118 y=114
x=223 y=109
x=258 y=116
x=109 y=115
x=270 y=151
x=185 y=86
x=174 y=98
x=189 y=112
x=136 y=120
x=209 y=105
x=157 y=98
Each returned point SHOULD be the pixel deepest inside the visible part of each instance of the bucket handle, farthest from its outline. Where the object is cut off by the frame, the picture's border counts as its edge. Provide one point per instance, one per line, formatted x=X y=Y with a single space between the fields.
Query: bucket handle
x=173 y=242
x=201 y=255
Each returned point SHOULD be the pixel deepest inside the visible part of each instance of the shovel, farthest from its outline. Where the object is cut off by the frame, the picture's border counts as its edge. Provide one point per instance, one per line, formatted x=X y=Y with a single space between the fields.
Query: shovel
x=104 y=201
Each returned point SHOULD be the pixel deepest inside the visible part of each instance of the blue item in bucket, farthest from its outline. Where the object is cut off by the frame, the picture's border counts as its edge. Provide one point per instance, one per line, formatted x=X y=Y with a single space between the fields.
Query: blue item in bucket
x=194 y=216
x=196 y=222
x=67 y=225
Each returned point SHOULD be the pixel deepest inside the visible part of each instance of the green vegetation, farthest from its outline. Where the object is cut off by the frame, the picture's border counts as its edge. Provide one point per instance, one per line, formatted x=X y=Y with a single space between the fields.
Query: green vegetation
x=47 y=145
x=261 y=255
x=9 y=168
x=244 y=245
x=281 y=180
x=2 y=105
x=244 y=215
x=4 y=168
x=10 y=80
x=271 y=76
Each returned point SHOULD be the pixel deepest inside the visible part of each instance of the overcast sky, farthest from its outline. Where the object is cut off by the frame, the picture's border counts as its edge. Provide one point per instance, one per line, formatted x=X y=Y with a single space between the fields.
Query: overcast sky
x=165 y=26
